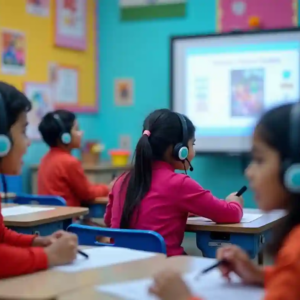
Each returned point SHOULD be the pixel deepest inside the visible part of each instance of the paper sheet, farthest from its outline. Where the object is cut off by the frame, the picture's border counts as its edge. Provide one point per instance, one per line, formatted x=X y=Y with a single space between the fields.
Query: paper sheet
x=247 y=218
x=209 y=287
x=22 y=210
x=103 y=257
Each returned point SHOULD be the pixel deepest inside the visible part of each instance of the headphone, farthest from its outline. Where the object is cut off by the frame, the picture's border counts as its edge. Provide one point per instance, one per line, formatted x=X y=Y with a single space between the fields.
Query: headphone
x=5 y=141
x=65 y=136
x=291 y=166
x=181 y=150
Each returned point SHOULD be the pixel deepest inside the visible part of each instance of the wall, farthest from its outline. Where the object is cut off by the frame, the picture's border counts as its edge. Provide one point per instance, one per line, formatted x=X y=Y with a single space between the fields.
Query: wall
x=141 y=50
x=39 y=34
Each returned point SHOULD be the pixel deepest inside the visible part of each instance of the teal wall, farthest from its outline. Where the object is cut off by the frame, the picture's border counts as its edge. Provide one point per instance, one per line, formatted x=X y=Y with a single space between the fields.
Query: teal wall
x=140 y=50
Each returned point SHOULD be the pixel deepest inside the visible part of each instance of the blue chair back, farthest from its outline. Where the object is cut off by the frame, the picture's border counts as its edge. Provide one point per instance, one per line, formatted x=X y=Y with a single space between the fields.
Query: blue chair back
x=24 y=199
x=144 y=240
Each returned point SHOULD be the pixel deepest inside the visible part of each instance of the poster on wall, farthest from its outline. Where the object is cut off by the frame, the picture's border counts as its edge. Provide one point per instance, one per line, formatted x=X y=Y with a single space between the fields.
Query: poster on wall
x=235 y=14
x=63 y=81
x=38 y=7
x=123 y=92
x=70 y=24
x=13 y=52
x=40 y=97
x=151 y=9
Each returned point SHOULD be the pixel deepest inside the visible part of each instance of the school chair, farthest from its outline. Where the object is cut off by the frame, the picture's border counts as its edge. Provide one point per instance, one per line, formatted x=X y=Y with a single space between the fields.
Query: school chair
x=144 y=240
x=14 y=184
x=24 y=199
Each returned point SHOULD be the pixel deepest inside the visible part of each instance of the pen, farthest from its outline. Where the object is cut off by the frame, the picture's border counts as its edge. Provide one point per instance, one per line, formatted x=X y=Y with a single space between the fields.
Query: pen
x=216 y=265
x=82 y=253
x=241 y=191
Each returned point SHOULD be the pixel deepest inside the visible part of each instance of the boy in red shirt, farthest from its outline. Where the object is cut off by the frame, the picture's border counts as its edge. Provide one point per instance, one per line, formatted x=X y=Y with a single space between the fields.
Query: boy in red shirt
x=60 y=173
x=20 y=253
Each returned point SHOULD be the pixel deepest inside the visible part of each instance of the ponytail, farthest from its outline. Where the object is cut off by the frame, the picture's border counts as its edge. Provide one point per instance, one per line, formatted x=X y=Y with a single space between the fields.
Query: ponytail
x=139 y=180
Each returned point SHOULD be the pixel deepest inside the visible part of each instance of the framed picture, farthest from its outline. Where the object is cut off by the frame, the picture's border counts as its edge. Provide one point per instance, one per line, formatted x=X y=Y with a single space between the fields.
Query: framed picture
x=64 y=81
x=40 y=96
x=13 y=52
x=70 y=24
x=124 y=92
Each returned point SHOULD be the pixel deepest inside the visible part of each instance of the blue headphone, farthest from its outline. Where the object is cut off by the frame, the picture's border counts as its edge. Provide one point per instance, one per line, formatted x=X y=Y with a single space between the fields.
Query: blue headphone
x=65 y=136
x=291 y=166
x=181 y=150
x=5 y=141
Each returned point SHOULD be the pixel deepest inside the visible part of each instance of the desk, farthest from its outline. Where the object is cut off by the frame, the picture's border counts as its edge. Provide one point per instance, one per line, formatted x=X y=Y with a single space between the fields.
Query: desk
x=102 y=173
x=50 y=284
x=8 y=196
x=97 y=208
x=180 y=263
x=44 y=222
x=250 y=236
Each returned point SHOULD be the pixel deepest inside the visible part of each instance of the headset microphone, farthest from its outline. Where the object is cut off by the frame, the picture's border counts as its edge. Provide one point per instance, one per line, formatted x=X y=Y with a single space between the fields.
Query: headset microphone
x=191 y=167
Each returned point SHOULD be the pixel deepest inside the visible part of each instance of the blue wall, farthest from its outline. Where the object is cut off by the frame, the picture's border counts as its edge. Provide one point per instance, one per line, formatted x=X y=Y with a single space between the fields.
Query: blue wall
x=140 y=50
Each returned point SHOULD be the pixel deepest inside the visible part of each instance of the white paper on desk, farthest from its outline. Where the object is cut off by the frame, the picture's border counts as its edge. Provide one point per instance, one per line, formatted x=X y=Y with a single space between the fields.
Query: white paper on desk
x=247 y=218
x=210 y=286
x=103 y=257
x=22 y=210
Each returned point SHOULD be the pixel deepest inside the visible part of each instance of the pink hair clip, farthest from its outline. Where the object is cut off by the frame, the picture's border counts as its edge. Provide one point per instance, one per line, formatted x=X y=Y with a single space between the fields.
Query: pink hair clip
x=147 y=132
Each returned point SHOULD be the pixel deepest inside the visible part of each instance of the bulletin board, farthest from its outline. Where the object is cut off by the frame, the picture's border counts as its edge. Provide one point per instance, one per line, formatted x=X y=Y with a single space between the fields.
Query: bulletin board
x=40 y=51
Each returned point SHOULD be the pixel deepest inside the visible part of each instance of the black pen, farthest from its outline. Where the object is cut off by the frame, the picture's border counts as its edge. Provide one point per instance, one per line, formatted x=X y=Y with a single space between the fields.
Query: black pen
x=241 y=191
x=82 y=253
x=214 y=266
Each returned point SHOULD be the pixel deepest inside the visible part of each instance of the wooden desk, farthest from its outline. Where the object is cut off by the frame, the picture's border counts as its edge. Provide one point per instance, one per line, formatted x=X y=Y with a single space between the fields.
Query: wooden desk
x=44 y=222
x=180 y=263
x=102 y=173
x=50 y=284
x=250 y=236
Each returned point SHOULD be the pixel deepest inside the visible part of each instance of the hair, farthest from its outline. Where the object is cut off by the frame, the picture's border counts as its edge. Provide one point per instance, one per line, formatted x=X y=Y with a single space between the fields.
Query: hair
x=166 y=130
x=274 y=129
x=15 y=103
x=50 y=129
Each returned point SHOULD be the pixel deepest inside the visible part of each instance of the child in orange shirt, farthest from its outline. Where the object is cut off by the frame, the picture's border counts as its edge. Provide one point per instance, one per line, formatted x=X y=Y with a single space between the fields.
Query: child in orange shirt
x=20 y=253
x=60 y=173
x=274 y=175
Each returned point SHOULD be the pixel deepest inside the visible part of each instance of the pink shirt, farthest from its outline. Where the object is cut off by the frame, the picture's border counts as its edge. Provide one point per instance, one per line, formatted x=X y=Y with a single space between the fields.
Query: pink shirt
x=165 y=208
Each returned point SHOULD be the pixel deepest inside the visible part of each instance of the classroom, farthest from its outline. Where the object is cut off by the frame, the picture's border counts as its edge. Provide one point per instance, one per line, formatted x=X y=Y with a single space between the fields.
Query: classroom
x=149 y=149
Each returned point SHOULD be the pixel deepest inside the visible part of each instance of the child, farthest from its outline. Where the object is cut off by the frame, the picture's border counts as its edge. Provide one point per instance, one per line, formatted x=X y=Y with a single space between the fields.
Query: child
x=20 y=253
x=60 y=173
x=153 y=197
x=274 y=177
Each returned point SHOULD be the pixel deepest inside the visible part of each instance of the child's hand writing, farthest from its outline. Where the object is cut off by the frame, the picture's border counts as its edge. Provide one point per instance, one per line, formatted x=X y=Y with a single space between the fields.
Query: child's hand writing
x=63 y=250
x=169 y=285
x=45 y=241
x=239 y=263
x=233 y=198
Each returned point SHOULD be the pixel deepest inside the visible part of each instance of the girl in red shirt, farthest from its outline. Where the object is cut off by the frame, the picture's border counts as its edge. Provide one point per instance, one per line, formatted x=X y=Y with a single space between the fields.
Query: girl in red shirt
x=20 y=253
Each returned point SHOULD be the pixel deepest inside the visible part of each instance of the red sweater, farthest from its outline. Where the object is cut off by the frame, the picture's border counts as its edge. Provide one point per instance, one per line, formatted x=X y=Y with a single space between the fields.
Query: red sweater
x=61 y=174
x=17 y=257
x=166 y=206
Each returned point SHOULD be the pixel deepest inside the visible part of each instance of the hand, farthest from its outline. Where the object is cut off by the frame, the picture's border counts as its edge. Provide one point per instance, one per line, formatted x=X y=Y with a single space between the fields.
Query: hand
x=44 y=241
x=233 y=198
x=63 y=250
x=169 y=285
x=239 y=263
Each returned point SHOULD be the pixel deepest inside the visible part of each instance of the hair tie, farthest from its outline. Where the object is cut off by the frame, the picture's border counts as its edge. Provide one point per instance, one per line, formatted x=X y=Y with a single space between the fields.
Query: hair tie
x=147 y=132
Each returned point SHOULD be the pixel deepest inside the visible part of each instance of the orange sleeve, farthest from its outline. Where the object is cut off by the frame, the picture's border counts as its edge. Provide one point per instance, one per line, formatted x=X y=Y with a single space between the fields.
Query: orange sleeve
x=15 y=261
x=80 y=184
x=282 y=280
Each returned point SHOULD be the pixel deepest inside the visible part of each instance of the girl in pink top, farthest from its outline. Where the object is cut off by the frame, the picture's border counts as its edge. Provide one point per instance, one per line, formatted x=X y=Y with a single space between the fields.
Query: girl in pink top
x=153 y=197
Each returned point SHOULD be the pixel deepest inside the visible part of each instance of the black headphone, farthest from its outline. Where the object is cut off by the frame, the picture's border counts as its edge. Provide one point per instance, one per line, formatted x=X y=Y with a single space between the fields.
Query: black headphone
x=181 y=150
x=64 y=136
x=5 y=141
x=291 y=166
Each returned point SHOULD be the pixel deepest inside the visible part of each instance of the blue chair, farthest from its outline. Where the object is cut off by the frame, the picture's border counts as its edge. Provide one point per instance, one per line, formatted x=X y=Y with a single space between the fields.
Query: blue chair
x=24 y=199
x=144 y=240
x=14 y=184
